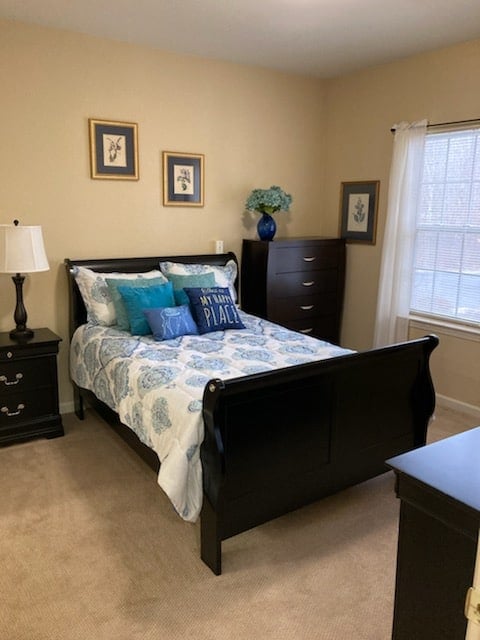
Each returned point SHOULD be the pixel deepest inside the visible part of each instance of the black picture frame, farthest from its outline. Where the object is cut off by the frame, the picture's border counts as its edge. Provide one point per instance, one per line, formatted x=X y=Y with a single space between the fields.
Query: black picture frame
x=183 y=179
x=358 y=211
x=113 y=150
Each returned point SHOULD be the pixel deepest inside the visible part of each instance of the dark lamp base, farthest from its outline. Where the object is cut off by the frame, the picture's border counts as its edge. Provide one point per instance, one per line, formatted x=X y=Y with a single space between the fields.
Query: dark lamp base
x=21 y=334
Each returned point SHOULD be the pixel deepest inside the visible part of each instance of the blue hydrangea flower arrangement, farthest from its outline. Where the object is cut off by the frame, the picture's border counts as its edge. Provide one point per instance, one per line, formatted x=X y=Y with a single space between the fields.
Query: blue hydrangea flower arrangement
x=268 y=200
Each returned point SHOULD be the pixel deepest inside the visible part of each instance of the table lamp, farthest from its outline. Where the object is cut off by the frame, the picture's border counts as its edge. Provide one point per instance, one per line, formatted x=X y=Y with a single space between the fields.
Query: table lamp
x=21 y=251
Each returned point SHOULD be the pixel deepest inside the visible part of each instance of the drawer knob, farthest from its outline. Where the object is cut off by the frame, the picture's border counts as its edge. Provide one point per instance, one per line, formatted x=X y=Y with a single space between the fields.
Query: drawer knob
x=7 y=383
x=309 y=283
x=309 y=258
x=309 y=330
x=306 y=307
x=9 y=354
x=9 y=413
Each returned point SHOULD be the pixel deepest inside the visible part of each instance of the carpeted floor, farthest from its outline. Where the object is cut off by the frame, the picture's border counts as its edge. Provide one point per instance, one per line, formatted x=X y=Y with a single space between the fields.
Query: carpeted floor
x=91 y=550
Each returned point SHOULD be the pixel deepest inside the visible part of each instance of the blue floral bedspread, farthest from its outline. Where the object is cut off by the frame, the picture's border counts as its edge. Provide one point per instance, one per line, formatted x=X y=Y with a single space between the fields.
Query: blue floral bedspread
x=157 y=387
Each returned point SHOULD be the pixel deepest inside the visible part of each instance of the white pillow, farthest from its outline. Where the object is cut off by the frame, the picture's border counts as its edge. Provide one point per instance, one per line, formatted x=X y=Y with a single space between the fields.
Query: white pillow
x=96 y=294
x=224 y=276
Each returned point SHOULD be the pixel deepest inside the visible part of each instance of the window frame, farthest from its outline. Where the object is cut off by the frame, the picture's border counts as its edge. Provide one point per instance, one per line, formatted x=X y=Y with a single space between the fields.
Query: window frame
x=434 y=317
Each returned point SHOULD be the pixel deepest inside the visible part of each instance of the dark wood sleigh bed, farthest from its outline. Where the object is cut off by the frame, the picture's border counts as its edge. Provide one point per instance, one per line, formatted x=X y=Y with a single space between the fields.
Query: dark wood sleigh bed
x=278 y=440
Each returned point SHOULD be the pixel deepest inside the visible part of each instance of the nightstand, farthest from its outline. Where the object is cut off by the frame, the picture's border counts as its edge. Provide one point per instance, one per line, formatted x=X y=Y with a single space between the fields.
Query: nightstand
x=29 y=387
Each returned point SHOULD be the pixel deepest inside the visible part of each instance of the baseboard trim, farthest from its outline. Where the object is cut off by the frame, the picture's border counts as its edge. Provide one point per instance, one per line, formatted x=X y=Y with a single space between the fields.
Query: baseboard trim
x=67 y=407
x=450 y=403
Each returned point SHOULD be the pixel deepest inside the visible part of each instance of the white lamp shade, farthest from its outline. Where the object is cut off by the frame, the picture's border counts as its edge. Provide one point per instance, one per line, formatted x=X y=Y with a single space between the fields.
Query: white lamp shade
x=22 y=249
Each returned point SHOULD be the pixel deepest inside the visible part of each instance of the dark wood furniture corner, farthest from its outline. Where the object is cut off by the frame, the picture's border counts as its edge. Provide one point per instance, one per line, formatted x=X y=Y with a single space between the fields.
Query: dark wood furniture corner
x=439 y=489
x=29 y=387
x=297 y=282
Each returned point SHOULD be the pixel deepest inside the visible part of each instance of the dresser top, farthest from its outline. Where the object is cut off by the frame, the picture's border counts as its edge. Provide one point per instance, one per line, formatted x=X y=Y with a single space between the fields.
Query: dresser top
x=451 y=466
x=302 y=239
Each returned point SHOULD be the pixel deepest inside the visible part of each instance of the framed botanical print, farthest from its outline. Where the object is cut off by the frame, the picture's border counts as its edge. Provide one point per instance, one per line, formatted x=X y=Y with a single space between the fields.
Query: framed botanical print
x=113 y=150
x=358 y=211
x=183 y=179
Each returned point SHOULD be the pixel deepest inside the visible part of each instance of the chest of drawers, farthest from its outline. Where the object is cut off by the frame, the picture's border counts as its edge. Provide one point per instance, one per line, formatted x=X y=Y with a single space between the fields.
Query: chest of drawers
x=297 y=282
x=29 y=388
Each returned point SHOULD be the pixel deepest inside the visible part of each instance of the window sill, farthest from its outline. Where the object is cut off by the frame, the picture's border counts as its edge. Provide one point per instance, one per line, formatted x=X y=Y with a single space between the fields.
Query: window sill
x=457 y=330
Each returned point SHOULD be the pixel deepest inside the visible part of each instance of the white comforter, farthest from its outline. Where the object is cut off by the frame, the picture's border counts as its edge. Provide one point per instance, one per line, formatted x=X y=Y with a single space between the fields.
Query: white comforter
x=157 y=387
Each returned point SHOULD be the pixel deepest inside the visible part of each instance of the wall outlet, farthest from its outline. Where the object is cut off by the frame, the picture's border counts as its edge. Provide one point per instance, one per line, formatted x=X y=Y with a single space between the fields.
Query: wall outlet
x=218 y=246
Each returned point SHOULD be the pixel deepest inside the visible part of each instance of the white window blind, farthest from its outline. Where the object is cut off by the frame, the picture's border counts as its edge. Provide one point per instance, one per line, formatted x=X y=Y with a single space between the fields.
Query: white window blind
x=446 y=275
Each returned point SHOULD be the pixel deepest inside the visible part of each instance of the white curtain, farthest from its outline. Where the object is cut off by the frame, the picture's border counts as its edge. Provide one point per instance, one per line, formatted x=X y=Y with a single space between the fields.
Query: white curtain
x=397 y=256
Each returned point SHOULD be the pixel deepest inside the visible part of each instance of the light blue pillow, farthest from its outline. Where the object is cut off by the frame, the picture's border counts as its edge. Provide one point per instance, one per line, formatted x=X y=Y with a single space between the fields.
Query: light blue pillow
x=136 y=299
x=120 y=310
x=191 y=280
x=213 y=309
x=171 y=322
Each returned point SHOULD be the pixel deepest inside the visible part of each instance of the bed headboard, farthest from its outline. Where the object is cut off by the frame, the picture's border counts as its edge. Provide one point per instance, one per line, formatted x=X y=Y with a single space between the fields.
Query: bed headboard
x=77 y=311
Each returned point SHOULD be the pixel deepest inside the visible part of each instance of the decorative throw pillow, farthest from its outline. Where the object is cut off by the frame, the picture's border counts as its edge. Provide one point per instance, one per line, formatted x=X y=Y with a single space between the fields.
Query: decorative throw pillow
x=96 y=295
x=170 y=322
x=113 y=284
x=136 y=299
x=213 y=309
x=193 y=280
x=225 y=276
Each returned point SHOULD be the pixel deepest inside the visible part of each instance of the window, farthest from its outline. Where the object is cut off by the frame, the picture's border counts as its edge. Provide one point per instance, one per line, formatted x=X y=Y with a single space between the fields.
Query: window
x=446 y=273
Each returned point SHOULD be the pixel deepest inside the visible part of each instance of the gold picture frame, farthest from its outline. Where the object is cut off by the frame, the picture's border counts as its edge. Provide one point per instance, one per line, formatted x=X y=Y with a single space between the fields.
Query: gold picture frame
x=183 y=179
x=113 y=150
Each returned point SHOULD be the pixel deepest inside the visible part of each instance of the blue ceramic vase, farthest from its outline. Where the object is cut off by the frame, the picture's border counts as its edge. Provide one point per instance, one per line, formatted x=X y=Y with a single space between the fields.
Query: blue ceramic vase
x=266 y=227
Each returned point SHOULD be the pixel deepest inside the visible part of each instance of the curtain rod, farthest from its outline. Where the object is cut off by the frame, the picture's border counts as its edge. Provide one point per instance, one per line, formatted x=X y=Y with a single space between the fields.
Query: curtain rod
x=447 y=124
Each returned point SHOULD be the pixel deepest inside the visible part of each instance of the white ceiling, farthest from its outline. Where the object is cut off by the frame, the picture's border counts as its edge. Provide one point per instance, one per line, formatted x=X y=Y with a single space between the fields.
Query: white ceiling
x=323 y=38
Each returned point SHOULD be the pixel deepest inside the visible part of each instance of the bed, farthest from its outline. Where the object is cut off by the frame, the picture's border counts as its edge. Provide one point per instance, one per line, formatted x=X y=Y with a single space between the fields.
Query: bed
x=274 y=440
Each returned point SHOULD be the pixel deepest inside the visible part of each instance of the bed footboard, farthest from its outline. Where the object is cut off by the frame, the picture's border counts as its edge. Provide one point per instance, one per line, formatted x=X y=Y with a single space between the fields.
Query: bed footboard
x=279 y=440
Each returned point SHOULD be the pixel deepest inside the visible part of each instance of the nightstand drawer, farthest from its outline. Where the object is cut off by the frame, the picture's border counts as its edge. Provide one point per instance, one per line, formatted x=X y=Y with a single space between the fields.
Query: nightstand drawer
x=24 y=374
x=306 y=258
x=22 y=406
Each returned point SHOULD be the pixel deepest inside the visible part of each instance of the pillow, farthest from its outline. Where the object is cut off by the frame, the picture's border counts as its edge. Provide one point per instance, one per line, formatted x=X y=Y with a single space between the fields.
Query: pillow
x=96 y=296
x=224 y=276
x=193 y=280
x=171 y=322
x=113 y=284
x=136 y=299
x=213 y=309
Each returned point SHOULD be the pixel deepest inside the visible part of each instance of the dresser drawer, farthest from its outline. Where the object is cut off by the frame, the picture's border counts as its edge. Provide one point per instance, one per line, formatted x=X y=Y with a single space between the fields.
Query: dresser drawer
x=298 y=283
x=301 y=307
x=23 y=374
x=305 y=258
x=23 y=406
x=323 y=327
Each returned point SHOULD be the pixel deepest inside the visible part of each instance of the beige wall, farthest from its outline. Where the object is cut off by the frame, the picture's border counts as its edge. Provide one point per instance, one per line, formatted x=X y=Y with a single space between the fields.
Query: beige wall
x=360 y=109
x=256 y=128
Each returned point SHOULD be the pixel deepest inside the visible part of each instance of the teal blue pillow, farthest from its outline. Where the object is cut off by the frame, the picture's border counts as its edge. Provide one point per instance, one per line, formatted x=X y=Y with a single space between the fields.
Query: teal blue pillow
x=190 y=280
x=120 y=310
x=171 y=322
x=213 y=309
x=136 y=299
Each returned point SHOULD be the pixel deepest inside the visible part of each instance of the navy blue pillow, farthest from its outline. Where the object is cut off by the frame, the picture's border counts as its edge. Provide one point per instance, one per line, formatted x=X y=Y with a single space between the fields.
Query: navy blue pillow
x=170 y=322
x=213 y=309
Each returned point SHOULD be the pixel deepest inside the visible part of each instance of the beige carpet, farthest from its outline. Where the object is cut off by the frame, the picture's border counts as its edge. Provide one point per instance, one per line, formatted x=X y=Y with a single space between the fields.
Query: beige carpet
x=91 y=549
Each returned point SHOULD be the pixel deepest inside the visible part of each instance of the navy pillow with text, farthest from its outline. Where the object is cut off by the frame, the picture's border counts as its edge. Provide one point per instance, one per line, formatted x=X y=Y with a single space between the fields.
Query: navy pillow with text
x=213 y=309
